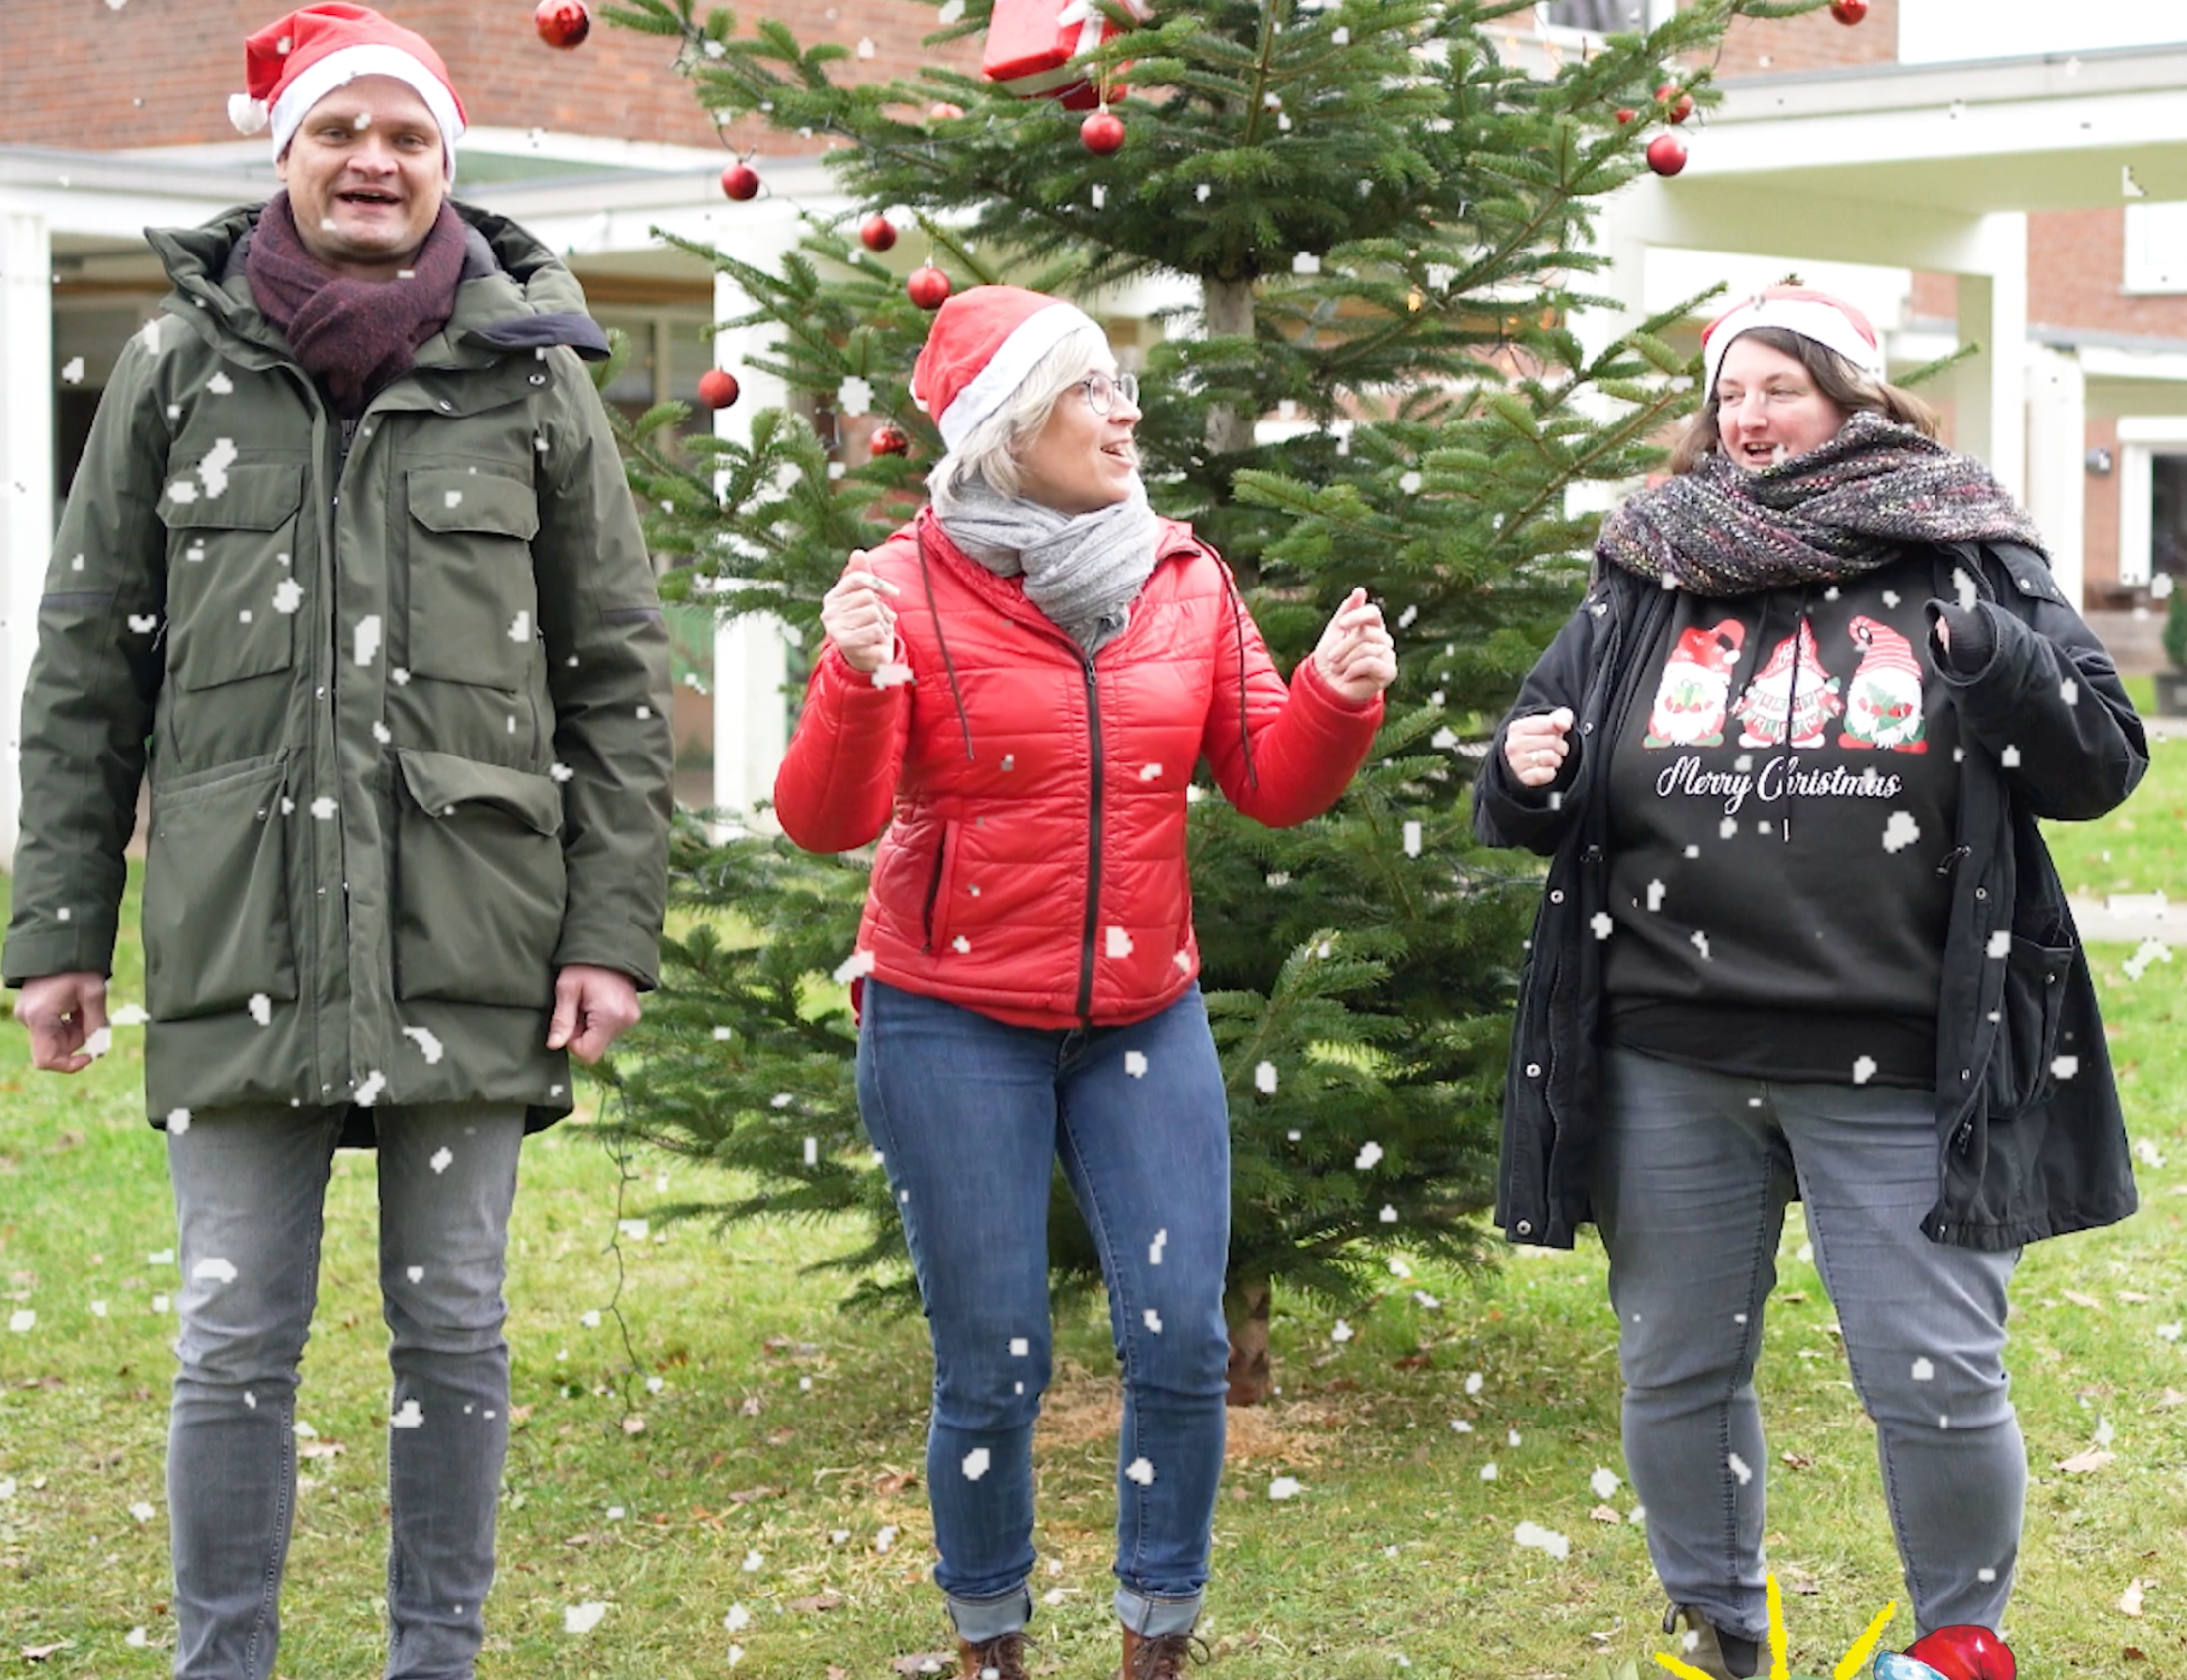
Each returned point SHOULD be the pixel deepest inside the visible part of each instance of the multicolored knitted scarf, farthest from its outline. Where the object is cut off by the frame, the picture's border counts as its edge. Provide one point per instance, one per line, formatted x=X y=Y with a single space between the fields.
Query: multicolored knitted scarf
x=1831 y=514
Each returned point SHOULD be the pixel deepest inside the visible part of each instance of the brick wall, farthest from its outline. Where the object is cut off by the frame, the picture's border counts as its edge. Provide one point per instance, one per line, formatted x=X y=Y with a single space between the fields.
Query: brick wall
x=1814 y=42
x=158 y=72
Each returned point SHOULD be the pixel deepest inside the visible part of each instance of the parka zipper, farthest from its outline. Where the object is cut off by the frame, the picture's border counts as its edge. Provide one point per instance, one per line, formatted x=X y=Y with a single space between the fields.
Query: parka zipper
x=1092 y=842
x=934 y=891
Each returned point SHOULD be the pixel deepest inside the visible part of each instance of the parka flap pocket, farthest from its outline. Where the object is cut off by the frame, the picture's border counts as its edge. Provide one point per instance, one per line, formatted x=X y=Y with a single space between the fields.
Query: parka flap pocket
x=441 y=784
x=256 y=496
x=467 y=499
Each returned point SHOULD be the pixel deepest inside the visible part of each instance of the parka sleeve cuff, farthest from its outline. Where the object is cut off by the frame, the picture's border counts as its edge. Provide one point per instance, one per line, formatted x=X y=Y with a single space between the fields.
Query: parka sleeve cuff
x=34 y=952
x=601 y=945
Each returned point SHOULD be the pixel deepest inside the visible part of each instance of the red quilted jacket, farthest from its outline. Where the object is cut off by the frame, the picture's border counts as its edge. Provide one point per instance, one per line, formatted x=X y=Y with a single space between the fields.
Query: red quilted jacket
x=1034 y=866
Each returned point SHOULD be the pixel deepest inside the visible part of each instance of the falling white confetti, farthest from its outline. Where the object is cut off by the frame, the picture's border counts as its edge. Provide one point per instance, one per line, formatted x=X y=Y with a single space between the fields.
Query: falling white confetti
x=582 y=1619
x=520 y=628
x=886 y=1537
x=1488 y=1472
x=2069 y=692
x=72 y=371
x=1409 y=483
x=1341 y=1335
x=1701 y=943
x=1306 y=263
x=1154 y=1248
x=289 y=595
x=1150 y=772
x=1263 y=1077
x=855 y=967
x=1601 y=923
x=1740 y=1468
x=214 y=1270
x=1544 y=1539
x=409 y=1416
x=441 y=1160
x=1140 y=1471
x=1411 y=839
x=143 y=1511
x=219 y=385
x=1603 y=1482
x=1864 y=1068
x=1965 y=588
x=1019 y=1347
x=2065 y=1067
x=753 y=1563
x=212 y=470
x=854 y=395
x=590 y=1318
x=891 y=676
x=865 y=47
x=1119 y=942
x=1474 y=1382
x=366 y=645
x=1369 y=1154
x=1923 y=1371
x=2000 y=943
x=1153 y=1322
x=2010 y=757
x=428 y=1042
x=964 y=946
x=23 y=1320
x=2147 y=1153
x=737 y=1618
x=1284 y=1487
x=1136 y=1064
x=1900 y=831
x=178 y=1122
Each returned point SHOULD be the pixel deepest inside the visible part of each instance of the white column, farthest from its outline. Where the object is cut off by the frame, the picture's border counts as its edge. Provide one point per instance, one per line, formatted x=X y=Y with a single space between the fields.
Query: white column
x=1615 y=235
x=26 y=479
x=2058 y=415
x=750 y=659
x=1991 y=388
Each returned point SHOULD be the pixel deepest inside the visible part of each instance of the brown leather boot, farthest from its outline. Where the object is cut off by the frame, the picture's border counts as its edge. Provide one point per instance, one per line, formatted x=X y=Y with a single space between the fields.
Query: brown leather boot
x=999 y=1658
x=1160 y=1656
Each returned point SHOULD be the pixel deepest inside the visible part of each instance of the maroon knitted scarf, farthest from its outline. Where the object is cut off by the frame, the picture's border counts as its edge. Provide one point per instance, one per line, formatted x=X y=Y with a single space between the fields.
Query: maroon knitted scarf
x=1839 y=511
x=352 y=336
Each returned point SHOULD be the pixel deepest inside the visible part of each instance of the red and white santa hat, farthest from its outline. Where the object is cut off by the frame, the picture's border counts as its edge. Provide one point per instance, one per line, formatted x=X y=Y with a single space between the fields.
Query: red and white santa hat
x=293 y=63
x=1829 y=321
x=982 y=345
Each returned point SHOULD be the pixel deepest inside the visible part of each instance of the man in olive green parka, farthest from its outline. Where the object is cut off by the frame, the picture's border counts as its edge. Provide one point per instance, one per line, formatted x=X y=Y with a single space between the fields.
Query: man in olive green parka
x=350 y=569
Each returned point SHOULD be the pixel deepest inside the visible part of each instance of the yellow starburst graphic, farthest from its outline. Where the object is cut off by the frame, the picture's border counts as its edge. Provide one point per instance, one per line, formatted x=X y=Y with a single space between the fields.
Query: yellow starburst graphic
x=1848 y=1666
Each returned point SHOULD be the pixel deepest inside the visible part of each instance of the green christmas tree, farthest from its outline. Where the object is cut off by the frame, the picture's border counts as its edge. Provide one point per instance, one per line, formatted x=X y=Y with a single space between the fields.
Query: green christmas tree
x=1388 y=227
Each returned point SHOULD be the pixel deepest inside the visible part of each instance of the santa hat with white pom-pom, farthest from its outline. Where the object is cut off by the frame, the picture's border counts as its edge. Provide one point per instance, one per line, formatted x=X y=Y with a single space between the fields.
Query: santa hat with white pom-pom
x=293 y=63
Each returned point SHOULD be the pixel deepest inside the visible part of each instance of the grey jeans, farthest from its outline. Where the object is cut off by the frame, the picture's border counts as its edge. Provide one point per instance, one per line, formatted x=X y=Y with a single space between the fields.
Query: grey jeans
x=249 y=1190
x=1690 y=1189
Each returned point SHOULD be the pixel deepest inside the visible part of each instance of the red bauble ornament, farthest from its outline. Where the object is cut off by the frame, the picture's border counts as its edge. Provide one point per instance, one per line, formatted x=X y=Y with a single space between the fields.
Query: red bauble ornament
x=887 y=440
x=1680 y=105
x=1101 y=134
x=561 y=22
x=1666 y=154
x=1849 y=12
x=877 y=232
x=928 y=287
x=717 y=387
x=741 y=181
x=1964 y=1652
x=1625 y=117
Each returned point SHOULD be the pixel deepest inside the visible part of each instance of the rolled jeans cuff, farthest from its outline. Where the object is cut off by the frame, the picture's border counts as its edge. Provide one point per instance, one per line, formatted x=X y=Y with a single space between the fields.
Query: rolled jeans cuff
x=1154 y=1618
x=977 y=1621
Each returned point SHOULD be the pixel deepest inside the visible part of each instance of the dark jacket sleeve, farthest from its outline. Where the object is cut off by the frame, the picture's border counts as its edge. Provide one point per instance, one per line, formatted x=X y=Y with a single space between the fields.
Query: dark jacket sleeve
x=608 y=674
x=2039 y=691
x=1504 y=812
x=89 y=702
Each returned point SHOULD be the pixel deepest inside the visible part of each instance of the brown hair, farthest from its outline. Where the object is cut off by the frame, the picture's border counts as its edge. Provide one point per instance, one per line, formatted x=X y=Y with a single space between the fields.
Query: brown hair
x=1835 y=377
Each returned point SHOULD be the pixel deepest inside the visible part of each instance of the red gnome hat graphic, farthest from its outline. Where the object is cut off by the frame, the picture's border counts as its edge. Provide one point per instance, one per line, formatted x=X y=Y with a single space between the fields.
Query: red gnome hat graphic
x=1883 y=708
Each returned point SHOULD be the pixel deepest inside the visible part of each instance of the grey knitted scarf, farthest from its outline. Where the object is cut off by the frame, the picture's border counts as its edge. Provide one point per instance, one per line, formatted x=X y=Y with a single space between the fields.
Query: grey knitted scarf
x=1082 y=571
x=1841 y=510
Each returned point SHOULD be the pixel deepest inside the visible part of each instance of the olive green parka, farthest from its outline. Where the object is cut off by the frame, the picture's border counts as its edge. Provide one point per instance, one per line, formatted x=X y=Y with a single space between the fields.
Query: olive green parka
x=400 y=689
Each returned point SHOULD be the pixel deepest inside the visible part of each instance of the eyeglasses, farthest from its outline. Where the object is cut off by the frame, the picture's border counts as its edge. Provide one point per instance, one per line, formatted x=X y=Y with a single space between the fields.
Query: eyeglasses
x=1103 y=390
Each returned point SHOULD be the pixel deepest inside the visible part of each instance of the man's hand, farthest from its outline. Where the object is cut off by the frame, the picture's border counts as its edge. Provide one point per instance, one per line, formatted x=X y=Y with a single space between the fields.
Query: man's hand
x=63 y=1013
x=593 y=1007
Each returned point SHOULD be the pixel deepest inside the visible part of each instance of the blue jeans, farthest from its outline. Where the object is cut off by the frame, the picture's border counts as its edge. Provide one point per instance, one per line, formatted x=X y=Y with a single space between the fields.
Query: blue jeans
x=969 y=1115
x=249 y=1205
x=1689 y=1189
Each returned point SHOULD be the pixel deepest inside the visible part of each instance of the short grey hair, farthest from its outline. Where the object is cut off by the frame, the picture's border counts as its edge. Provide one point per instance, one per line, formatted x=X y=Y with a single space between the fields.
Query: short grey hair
x=990 y=451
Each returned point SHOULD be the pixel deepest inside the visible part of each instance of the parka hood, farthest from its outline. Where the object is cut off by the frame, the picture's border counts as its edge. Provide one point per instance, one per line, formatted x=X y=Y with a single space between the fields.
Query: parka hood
x=515 y=293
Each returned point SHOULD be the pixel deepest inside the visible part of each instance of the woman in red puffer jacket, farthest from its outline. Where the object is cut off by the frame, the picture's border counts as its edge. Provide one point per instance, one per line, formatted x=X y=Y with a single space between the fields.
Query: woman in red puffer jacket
x=1018 y=686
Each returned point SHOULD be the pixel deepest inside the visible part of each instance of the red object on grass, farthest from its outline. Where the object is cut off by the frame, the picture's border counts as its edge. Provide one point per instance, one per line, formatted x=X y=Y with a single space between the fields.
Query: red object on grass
x=1964 y=1652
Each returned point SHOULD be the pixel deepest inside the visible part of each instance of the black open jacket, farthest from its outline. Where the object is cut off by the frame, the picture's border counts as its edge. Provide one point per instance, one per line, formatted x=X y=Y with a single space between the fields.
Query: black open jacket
x=2028 y=1144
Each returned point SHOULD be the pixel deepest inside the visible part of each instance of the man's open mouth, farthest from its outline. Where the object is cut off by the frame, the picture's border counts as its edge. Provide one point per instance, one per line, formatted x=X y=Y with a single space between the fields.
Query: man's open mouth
x=367 y=195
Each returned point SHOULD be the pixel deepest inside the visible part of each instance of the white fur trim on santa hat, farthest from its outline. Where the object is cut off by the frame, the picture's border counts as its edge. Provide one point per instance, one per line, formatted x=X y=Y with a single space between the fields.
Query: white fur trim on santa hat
x=986 y=391
x=338 y=69
x=1827 y=325
x=249 y=115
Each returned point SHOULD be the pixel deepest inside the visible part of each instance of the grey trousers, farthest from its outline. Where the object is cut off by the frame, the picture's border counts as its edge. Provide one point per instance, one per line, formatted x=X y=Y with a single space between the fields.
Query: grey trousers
x=1690 y=1189
x=249 y=1189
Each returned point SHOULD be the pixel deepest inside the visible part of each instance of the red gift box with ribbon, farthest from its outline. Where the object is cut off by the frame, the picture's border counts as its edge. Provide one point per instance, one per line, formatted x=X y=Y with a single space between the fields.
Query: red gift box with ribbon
x=1031 y=43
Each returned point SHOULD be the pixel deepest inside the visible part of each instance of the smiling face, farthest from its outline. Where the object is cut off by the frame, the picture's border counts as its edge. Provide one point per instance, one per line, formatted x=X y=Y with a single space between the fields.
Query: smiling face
x=1768 y=405
x=1081 y=461
x=366 y=177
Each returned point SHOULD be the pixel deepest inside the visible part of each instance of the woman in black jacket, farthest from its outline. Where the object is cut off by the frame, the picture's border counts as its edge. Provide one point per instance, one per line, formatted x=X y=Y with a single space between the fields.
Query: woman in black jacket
x=1801 y=937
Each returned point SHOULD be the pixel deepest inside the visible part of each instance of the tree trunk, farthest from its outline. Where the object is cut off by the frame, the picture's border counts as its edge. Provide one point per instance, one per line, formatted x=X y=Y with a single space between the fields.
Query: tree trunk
x=1246 y=1309
x=1228 y=309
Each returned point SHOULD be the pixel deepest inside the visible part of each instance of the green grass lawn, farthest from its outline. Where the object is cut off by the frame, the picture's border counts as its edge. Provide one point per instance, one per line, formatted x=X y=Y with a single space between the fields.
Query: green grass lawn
x=783 y=1440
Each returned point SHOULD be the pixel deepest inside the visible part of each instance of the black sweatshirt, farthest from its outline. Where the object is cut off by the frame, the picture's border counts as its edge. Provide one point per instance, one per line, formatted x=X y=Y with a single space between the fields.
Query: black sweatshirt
x=1783 y=804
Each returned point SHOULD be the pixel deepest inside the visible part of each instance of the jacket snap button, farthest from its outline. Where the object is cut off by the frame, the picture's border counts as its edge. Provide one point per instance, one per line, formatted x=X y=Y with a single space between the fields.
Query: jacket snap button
x=1981 y=892
x=1588 y=727
x=445 y=405
x=1556 y=895
x=1967 y=1073
x=537 y=379
x=1524 y=1228
x=1533 y=1070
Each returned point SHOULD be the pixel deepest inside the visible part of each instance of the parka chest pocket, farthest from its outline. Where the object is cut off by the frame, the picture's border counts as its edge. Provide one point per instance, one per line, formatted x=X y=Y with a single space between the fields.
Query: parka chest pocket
x=473 y=602
x=479 y=887
x=231 y=591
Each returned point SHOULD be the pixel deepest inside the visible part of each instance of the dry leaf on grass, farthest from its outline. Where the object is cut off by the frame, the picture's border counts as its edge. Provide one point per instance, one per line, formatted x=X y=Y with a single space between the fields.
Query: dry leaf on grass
x=924 y=1662
x=2129 y=1601
x=2078 y=1299
x=2081 y=1463
x=818 y=1602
